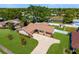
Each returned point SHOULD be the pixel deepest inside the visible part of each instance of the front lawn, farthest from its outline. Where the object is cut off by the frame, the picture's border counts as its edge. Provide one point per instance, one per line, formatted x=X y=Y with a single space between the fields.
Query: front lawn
x=15 y=44
x=59 y=48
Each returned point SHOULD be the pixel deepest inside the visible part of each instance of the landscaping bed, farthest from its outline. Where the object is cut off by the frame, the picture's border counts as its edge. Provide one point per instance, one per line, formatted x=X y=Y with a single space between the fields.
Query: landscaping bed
x=15 y=44
x=59 y=48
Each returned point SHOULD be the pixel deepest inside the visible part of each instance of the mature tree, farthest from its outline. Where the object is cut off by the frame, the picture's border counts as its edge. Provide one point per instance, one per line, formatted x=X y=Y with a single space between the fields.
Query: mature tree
x=69 y=16
x=11 y=13
x=38 y=13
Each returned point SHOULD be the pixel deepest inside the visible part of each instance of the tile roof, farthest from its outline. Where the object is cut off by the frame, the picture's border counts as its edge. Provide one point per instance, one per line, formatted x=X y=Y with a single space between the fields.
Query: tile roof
x=75 y=39
x=39 y=26
x=2 y=23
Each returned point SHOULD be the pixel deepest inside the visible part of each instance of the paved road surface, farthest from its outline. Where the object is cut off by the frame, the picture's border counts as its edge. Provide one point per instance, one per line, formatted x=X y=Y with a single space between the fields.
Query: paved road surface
x=0 y=52
x=44 y=43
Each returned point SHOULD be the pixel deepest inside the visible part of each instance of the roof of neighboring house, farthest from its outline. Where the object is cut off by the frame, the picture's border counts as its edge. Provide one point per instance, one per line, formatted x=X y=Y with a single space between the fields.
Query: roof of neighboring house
x=75 y=39
x=14 y=21
x=2 y=23
x=39 y=26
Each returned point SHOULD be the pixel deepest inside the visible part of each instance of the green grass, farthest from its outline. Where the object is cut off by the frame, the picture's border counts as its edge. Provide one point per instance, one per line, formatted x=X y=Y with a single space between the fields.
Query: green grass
x=59 y=48
x=57 y=27
x=15 y=45
x=77 y=50
x=58 y=22
x=69 y=29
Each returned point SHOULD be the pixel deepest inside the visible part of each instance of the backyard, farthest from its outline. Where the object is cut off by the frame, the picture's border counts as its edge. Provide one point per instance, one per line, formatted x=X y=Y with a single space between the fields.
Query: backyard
x=59 y=48
x=65 y=28
x=15 y=44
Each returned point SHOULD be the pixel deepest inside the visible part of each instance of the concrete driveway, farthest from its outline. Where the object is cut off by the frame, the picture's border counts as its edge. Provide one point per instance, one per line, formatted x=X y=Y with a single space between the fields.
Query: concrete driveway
x=44 y=43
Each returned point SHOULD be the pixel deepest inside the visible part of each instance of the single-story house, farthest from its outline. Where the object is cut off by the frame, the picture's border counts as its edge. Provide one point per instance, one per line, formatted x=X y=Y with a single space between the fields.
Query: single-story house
x=40 y=28
x=15 y=22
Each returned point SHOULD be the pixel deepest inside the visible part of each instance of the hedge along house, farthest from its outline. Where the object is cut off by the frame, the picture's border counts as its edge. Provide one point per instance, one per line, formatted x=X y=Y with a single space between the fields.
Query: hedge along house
x=39 y=28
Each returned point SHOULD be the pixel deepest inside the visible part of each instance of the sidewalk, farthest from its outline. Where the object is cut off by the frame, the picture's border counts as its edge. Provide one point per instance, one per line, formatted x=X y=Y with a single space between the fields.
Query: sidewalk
x=6 y=50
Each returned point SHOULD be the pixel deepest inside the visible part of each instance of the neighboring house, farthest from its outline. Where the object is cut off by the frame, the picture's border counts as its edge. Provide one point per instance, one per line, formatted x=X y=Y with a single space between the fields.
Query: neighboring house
x=2 y=24
x=15 y=22
x=76 y=22
x=75 y=40
x=40 y=28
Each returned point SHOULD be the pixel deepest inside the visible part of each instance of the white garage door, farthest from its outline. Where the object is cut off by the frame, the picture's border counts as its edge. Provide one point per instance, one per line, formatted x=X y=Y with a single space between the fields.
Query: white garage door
x=23 y=32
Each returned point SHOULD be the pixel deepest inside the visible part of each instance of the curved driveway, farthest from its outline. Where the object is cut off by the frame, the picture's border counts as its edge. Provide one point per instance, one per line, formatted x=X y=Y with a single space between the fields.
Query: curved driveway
x=44 y=43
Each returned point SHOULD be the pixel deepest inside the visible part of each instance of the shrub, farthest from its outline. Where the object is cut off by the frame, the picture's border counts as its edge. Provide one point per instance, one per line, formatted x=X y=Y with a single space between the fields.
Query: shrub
x=67 y=51
x=23 y=40
x=10 y=37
